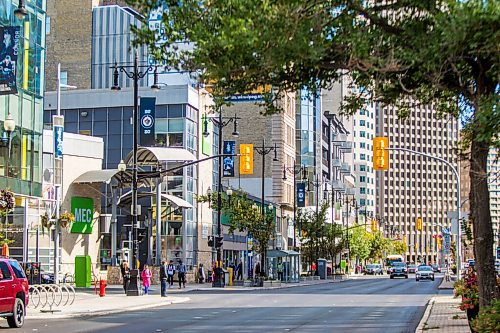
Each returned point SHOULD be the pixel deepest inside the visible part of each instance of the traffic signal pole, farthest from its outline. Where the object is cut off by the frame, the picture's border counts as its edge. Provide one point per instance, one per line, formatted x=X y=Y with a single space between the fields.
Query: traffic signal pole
x=457 y=176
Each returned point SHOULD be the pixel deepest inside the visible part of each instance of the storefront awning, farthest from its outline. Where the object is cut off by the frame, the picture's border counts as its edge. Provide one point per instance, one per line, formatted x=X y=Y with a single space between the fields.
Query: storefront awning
x=126 y=199
x=281 y=253
x=153 y=156
x=106 y=176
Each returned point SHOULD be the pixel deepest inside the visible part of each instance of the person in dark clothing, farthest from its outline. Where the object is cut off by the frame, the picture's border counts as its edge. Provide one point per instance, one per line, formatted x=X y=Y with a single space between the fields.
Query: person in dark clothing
x=125 y=275
x=257 y=270
x=163 y=279
x=239 y=271
x=201 y=274
x=181 y=273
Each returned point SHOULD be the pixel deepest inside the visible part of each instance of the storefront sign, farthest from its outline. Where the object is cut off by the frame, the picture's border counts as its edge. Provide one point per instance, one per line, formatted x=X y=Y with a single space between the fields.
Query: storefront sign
x=58 y=141
x=228 y=162
x=9 y=49
x=301 y=195
x=147 y=121
x=83 y=210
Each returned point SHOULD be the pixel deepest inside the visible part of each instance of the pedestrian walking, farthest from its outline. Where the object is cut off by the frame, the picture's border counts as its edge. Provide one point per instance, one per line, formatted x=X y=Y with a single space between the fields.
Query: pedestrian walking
x=163 y=278
x=181 y=269
x=201 y=274
x=280 y=271
x=125 y=275
x=239 y=270
x=146 y=278
x=257 y=270
x=170 y=273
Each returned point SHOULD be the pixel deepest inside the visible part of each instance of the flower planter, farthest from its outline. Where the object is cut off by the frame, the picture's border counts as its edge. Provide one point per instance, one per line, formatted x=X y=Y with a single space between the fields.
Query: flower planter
x=472 y=314
x=267 y=284
x=247 y=283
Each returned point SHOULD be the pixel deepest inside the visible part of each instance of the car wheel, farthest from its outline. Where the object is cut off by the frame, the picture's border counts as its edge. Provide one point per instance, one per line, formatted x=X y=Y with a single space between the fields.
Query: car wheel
x=406 y=276
x=416 y=280
x=392 y=277
x=17 y=319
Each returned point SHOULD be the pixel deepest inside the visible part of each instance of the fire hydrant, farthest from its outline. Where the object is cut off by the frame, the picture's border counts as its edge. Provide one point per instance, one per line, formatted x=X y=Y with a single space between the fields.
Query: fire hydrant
x=102 y=288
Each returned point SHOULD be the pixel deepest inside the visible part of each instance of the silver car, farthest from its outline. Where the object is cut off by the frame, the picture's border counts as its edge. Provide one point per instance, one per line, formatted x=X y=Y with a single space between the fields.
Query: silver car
x=424 y=273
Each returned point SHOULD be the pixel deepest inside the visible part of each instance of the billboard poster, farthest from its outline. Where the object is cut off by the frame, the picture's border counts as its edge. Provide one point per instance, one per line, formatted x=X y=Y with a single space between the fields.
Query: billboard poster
x=301 y=195
x=147 y=121
x=9 y=49
x=228 y=161
x=58 y=141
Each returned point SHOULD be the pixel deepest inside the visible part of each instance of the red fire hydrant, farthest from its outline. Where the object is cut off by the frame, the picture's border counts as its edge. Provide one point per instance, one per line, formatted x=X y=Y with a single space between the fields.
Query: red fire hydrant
x=102 y=288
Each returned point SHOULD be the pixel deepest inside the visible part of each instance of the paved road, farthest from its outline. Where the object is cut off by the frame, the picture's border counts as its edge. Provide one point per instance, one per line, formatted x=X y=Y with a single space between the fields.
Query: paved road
x=374 y=304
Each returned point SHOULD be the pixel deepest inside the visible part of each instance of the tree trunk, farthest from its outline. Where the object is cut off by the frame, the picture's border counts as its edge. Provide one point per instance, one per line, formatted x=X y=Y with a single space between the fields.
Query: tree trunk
x=483 y=231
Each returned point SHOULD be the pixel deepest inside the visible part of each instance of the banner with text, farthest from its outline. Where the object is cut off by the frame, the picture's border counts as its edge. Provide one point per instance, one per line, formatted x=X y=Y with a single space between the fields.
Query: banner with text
x=9 y=49
x=301 y=195
x=147 y=121
x=228 y=161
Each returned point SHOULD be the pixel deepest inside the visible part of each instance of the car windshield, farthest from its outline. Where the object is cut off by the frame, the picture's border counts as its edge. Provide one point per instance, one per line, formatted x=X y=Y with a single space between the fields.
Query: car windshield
x=371 y=266
x=398 y=264
x=425 y=268
x=412 y=266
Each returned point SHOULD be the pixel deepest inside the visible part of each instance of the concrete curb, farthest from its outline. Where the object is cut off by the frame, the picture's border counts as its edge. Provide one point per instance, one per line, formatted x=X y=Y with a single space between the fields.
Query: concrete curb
x=87 y=314
x=427 y=313
x=446 y=285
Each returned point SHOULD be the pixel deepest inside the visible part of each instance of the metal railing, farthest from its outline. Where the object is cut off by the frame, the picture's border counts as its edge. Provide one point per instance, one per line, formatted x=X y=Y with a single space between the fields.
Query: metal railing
x=46 y=297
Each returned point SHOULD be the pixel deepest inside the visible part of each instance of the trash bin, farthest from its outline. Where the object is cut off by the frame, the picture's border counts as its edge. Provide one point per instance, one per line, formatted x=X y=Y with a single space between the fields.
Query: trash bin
x=322 y=268
x=225 y=272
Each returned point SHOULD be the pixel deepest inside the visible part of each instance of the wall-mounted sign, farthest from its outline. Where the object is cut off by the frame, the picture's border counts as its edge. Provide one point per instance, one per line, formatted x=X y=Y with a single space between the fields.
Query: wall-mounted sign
x=58 y=142
x=301 y=195
x=228 y=161
x=147 y=121
x=9 y=49
x=83 y=210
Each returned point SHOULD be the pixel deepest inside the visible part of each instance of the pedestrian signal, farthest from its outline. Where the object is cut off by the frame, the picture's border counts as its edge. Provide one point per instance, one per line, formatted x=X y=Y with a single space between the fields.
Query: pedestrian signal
x=246 y=159
x=211 y=241
x=380 y=153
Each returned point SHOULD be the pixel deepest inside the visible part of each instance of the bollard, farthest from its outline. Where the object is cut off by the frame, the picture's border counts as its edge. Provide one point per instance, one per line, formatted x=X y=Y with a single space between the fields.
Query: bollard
x=102 y=288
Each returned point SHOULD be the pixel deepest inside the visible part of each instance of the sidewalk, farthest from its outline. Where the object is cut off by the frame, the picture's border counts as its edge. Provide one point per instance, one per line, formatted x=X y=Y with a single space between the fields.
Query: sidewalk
x=443 y=315
x=88 y=304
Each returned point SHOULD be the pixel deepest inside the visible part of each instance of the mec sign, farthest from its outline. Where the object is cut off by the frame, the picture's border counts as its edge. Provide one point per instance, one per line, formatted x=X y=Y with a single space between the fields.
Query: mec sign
x=83 y=210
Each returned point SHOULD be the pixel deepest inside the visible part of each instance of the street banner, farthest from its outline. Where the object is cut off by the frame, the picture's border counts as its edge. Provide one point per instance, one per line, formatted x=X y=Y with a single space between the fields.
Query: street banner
x=9 y=49
x=147 y=121
x=58 y=141
x=228 y=161
x=301 y=195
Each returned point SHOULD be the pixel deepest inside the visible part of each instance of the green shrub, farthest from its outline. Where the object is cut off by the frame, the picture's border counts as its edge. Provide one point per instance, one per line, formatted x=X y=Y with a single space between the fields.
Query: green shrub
x=488 y=320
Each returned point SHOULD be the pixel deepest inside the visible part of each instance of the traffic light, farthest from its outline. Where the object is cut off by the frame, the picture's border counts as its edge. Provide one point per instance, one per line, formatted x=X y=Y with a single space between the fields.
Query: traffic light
x=380 y=154
x=141 y=234
x=211 y=241
x=374 y=226
x=246 y=159
x=219 y=241
x=419 y=224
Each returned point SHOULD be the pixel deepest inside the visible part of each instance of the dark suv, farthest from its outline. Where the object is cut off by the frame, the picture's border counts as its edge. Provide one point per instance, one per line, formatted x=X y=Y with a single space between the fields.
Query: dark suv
x=14 y=292
x=399 y=269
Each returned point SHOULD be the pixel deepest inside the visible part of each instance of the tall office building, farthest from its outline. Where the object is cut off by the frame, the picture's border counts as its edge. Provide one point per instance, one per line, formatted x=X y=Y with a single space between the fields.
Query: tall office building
x=414 y=186
x=493 y=167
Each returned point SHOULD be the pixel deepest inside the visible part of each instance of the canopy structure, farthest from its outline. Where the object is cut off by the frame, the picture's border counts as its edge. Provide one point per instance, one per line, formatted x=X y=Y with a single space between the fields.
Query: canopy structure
x=106 y=176
x=126 y=199
x=284 y=264
x=153 y=156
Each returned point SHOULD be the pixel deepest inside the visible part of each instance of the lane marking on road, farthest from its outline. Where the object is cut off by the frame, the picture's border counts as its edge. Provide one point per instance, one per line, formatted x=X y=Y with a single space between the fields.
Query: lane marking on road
x=197 y=317
x=290 y=315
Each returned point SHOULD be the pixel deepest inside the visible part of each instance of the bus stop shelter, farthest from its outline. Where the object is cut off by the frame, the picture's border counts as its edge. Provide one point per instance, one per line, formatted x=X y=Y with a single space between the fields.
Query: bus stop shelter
x=287 y=261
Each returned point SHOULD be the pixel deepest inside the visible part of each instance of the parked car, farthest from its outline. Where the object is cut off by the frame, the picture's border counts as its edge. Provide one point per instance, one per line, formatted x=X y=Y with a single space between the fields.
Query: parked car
x=424 y=273
x=374 y=269
x=399 y=269
x=15 y=292
x=412 y=268
x=436 y=268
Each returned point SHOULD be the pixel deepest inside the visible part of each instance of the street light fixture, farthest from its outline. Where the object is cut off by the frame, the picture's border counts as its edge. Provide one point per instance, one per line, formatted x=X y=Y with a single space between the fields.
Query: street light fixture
x=220 y=122
x=21 y=11
x=122 y=166
x=135 y=73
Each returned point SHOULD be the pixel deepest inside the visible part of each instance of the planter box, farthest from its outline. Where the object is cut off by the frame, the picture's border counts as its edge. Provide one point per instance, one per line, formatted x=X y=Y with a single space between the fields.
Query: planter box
x=316 y=278
x=267 y=284
x=276 y=283
x=247 y=283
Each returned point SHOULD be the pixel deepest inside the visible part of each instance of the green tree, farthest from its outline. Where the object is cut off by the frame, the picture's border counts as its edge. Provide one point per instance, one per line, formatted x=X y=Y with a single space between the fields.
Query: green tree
x=379 y=245
x=244 y=215
x=397 y=247
x=443 y=53
x=359 y=242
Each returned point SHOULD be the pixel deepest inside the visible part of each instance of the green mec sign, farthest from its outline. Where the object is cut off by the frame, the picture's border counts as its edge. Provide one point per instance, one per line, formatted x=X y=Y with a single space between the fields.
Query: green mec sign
x=83 y=210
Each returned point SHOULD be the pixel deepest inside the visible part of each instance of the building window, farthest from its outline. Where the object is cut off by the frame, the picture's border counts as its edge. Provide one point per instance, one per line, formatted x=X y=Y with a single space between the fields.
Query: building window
x=47 y=25
x=64 y=77
x=362 y=190
x=362 y=202
x=362 y=145
x=362 y=134
x=362 y=123
x=362 y=157
x=362 y=168
x=362 y=179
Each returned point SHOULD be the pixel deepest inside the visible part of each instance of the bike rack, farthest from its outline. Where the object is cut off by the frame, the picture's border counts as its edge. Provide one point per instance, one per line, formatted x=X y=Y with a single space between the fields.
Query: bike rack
x=51 y=296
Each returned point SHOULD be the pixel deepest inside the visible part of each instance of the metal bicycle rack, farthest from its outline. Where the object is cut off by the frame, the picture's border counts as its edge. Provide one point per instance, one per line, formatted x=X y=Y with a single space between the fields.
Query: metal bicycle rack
x=47 y=297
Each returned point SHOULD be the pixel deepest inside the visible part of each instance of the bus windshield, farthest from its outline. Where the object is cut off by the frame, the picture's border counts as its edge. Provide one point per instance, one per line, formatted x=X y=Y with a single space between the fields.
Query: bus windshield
x=392 y=259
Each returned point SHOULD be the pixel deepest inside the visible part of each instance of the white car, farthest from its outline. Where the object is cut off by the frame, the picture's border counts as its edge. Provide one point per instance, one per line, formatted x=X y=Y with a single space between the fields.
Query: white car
x=424 y=273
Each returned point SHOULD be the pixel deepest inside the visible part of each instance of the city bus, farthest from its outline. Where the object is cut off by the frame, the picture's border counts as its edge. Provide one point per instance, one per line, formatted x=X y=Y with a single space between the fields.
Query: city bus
x=392 y=258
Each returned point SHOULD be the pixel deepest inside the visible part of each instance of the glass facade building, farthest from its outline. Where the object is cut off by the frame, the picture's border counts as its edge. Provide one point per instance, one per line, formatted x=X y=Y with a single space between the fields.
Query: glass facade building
x=21 y=152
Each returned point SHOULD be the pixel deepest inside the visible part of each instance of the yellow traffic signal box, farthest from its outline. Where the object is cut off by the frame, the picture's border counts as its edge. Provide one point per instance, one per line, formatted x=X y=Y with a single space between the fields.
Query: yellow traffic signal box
x=246 y=159
x=374 y=226
x=419 y=224
x=380 y=154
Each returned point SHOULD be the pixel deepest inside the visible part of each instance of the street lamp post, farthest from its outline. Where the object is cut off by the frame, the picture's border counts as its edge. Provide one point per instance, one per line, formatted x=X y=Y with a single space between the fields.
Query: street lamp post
x=295 y=171
x=135 y=73
x=263 y=151
x=220 y=122
x=317 y=185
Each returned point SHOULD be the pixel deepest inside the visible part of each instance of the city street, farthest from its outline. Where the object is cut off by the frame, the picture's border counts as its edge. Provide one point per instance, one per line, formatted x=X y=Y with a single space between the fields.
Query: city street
x=364 y=304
